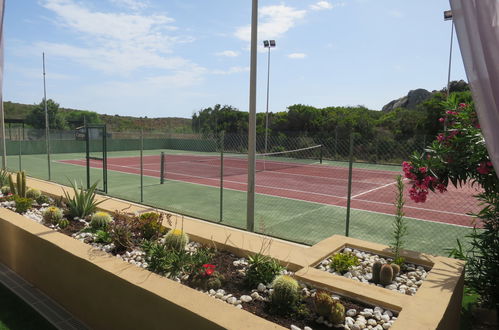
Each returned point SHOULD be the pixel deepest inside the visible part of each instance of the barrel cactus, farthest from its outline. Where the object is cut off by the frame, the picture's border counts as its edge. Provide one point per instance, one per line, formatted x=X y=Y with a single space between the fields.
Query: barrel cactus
x=100 y=220
x=176 y=239
x=323 y=303
x=43 y=199
x=285 y=293
x=396 y=270
x=337 y=315
x=376 y=270
x=33 y=193
x=386 y=274
x=52 y=215
x=63 y=223
x=5 y=190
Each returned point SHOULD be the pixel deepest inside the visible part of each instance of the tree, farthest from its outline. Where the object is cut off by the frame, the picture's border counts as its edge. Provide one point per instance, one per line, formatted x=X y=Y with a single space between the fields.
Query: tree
x=36 y=118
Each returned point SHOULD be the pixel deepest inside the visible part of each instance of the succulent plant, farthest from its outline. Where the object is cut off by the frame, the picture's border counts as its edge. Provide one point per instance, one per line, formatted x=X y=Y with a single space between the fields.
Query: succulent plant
x=18 y=187
x=43 y=199
x=33 y=193
x=337 y=315
x=5 y=190
x=285 y=293
x=52 y=215
x=176 y=239
x=63 y=223
x=100 y=220
x=376 y=270
x=386 y=274
x=323 y=303
x=396 y=270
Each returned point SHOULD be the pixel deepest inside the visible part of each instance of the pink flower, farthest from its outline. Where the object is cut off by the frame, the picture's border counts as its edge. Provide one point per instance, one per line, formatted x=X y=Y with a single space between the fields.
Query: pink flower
x=441 y=137
x=441 y=187
x=422 y=169
x=489 y=164
x=209 y=269
x=482 y=168
x=463 y=105
x=441 y=120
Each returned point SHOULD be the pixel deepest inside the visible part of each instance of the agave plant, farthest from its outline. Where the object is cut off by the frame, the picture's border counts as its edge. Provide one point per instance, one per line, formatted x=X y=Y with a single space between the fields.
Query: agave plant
x=83 y=201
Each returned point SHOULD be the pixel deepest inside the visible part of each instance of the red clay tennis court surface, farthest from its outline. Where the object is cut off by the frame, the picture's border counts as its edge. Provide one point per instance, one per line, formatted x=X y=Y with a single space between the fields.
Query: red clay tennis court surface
x=372 y=189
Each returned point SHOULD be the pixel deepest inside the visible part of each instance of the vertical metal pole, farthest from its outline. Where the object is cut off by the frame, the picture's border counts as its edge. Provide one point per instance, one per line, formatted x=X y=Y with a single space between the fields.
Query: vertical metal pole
x=2 y=117
x=104 y=156
x=336 y=143
x=349 y=194
x=141 y=165
x=250 y=211
x=321 y=153
x=222 y=144
x=47 y=131
x=450 y=58
x=20 y=149
x=162 y=169
x=267 y=108
x=87 y=147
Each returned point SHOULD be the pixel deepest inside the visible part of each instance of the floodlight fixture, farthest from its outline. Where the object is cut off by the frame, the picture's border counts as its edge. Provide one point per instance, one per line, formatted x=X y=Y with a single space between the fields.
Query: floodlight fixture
x=269 y=43
x=447 y=15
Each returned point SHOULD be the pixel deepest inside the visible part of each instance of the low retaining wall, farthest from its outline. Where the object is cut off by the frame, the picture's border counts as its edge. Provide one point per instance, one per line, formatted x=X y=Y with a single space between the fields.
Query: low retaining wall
x=108 y=293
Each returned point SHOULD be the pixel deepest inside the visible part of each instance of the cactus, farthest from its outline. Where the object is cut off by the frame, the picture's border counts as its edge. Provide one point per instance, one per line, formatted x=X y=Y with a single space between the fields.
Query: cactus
x=63 y=223
x=52 y=215
x=43 y=199
x=386 y=274
x=323 y=303
x=5 y=190
x=33 y=193
x=176 y=239
x=376 y=270
x=285 y=293
x=100 y=220
x=19 y=187
x=396 y=270
x=337 y=315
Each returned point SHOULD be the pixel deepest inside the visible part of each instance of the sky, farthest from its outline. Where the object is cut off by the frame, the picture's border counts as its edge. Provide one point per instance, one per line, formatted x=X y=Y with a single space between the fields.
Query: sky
x=159 y=58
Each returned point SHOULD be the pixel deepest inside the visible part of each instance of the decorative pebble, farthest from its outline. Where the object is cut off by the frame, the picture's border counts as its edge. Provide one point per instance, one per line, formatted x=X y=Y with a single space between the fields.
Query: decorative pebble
x=246 y=298
x=351 y=312
x=294 y=327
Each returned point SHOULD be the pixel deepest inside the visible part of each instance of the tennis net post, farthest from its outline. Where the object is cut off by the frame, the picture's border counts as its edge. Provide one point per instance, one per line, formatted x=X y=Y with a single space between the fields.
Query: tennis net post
x=162 y=168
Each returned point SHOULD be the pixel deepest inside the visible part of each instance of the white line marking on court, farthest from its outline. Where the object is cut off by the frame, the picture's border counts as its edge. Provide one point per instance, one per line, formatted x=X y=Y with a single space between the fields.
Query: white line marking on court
x=293 y=190
x=371 y=190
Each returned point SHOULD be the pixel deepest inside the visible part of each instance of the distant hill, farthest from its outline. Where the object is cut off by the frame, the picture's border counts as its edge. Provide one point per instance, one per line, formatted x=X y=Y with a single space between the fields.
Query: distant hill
x=114 y=122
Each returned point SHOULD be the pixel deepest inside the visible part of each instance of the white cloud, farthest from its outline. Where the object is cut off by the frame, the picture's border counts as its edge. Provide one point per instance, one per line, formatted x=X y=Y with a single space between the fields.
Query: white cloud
x=232 y=70
x=275 y=21
x=325 y=5
x=228 y=53
x=116 y=42
x=297 y=55
x=132 y=4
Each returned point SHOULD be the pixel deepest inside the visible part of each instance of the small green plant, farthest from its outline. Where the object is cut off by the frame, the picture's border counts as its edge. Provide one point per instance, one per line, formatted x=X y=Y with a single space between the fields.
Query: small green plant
x=121 y=233
x=100 y=220
x=150 y=225
x=323 y=303
x=82 y=203
x=386 y=274
x=341 y=262
x=43 y=199
x=103 y=237
x=376 y=270
x=207 y=278
x=33 y=193
x=23 y=204
x=52 y=215
x=5 y=190
x=63 y=223
x=18 y=187
x=337 y=315
x=4 y=177
x=261 y=269
x=399 y=225
x=176 y=239
x=285 y=295
x=396 y=270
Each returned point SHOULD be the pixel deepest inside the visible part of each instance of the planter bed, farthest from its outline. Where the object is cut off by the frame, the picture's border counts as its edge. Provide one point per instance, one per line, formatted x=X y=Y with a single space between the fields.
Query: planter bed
x=234 y=290
x=408 y=281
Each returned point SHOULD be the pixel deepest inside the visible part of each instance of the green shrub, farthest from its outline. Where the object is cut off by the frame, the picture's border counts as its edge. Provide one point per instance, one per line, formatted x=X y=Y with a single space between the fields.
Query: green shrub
x=83 y=201
x=341 y=262
x=43 y=199
x=150 y=225
x=23 y=204
x=176 y=239
x=285 y=295
x=33 y=193
x=52 y=215
x=100 y=220
x=261 y=269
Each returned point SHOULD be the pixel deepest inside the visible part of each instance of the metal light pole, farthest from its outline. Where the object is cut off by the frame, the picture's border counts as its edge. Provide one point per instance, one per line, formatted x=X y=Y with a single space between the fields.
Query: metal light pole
x=267 y=44
x=47 y=132
x=448 y=17
x=250 y=207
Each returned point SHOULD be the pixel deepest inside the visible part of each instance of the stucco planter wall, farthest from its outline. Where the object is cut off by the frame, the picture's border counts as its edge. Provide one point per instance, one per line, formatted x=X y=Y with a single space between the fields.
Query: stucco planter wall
x=108 y=293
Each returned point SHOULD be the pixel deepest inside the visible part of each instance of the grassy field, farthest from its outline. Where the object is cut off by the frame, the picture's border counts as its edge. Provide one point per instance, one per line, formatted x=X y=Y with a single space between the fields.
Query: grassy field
x=294 y=220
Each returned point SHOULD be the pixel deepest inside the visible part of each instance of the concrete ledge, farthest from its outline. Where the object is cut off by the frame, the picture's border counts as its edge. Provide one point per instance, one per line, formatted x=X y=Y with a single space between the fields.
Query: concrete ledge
x=91 y=284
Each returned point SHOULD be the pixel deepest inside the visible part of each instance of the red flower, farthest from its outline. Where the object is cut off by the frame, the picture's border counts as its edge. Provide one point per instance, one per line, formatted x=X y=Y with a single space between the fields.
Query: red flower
x=441 y=120
x=209 y=269
x=482 y=168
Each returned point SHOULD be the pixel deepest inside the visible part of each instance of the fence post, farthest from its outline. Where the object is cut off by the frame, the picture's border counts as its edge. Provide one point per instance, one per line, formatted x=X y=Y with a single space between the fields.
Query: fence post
x=336 y=143
x=141 y=165
x=222 y=145
x=376 y=149
x=20 y=149
x=321 y=153
x=162 y=169
x=349 y=194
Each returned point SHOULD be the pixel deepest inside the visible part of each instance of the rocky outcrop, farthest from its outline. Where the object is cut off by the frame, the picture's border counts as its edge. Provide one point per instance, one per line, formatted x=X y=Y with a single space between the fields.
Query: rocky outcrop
x=410 y=101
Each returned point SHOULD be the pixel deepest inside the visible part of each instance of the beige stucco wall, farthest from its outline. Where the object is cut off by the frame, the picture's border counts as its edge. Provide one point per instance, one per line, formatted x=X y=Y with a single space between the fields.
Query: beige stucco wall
x=94 y=285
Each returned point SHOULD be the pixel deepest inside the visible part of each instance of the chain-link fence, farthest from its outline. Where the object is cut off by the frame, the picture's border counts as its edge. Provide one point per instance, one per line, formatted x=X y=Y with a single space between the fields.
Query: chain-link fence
x=307 y=188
